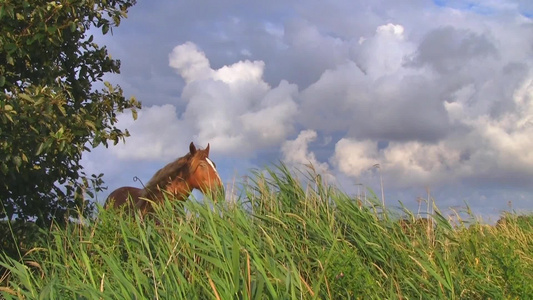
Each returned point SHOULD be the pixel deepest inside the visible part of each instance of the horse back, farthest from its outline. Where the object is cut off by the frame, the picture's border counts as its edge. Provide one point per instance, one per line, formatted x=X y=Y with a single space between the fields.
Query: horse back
x=123 y=195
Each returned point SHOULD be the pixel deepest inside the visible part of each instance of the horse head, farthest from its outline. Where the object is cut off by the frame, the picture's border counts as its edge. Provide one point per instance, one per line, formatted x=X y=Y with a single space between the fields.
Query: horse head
x=203 y=174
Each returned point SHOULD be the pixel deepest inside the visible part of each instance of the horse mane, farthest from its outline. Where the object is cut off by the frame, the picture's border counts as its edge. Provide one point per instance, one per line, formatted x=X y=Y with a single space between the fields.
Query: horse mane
x=165 y=175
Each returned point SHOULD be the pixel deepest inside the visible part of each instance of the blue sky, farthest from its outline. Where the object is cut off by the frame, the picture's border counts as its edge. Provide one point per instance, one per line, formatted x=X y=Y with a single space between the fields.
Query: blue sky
x=438 y=93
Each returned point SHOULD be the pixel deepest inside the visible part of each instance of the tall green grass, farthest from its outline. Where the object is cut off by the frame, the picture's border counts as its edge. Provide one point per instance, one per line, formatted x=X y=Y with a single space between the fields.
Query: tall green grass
x=281 y=238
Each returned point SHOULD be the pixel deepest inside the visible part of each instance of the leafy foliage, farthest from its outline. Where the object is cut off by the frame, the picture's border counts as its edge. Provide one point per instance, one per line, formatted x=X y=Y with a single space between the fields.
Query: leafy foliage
x=49 y=110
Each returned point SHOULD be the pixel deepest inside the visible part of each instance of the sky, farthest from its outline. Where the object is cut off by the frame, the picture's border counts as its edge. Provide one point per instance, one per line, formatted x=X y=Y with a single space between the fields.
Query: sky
x=409 y=96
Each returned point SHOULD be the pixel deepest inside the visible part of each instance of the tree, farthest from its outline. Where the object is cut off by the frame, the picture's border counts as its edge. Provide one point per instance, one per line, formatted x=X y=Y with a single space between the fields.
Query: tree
x=50 y=113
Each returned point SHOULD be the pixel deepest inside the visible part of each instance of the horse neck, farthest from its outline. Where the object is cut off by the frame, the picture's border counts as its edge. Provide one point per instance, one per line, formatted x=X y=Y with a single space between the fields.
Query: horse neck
x=165 y=175
x=178 y=188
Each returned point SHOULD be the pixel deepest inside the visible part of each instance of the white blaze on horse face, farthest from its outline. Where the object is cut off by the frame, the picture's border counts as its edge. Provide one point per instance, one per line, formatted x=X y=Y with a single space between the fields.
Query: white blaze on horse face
x=214 y=169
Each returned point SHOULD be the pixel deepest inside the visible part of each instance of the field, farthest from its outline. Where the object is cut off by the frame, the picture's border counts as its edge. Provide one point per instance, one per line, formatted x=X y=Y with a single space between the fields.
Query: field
x=280 y=238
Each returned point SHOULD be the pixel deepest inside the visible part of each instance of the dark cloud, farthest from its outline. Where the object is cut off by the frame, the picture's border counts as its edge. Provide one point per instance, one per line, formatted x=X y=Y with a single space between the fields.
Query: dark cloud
x=448 y=50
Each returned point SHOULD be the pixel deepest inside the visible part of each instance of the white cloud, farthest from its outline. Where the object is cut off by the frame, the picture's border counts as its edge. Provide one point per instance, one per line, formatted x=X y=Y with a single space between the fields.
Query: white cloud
x=243 y=71
x=190 y=62
x=392 y=29
x=354 y=158
x=156 y=134
x=383 y=54
x=273 y=121
x=296 y=153
x=415 y=163
x=403 y=164
x=233 y=107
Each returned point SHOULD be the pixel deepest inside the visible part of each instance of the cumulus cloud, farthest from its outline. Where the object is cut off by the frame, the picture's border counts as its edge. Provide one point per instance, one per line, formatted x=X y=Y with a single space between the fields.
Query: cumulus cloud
x=300 y=55
x=383 y=53
x=495 y=149
x=156 y=134
x=233 y=107
x=449 y=50
x=191 y=63
x=354 y=158
x=437 y=128
x=403 y=164
x=376 y=96
x=296 y=153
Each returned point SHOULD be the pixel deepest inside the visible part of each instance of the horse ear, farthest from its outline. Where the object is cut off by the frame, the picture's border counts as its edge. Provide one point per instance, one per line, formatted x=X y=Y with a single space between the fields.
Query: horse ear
x=192 y=148
x=207 y=149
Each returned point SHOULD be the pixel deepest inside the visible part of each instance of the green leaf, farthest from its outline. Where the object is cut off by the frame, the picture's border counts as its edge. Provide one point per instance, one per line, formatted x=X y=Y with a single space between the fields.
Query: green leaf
x=40 y=149
x=52 y=29
x=25 y=97
x=105 y=28
x=2 y=80
x=10 y=47
x=5 y=169
x=60 y=132
x=18 y=161
x=8 y=116
x=108 y=86
x=62 y=109
x=39 y=101
x=90 y=124
x=38 y=37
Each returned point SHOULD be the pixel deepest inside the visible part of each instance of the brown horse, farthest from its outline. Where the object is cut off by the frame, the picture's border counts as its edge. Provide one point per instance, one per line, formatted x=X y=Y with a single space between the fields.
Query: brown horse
x=177 y=179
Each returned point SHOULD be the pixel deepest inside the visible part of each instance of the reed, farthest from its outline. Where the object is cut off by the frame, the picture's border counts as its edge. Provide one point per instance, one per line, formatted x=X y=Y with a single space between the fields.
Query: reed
x=280 y=238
